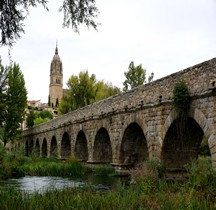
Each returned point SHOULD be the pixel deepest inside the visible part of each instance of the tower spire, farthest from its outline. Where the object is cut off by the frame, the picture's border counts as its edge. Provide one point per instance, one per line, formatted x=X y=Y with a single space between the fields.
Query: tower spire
x=56 y=78
x=56 y=50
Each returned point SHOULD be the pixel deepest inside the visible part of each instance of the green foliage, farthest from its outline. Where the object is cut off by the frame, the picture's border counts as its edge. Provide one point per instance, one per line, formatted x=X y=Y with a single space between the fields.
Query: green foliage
x=202 y=176
x=13 y=14
x=72 y=159
x=30 y=119
x=79 y=12
x=84 y=90
x=148 y=177
x=3 y=152
x=16 y=95
x=148 y=192
x=104 y=171
x=65 y=105
x=40 y=120
x=181 y=98
x=15 y=164
x=81 y=92
x=53 y=167
x=204 y=147
x=45 y=114
x=123 y=198
x=105 y=90
x=36 y=118
x=10 y=161
x=135 y=76
x=3 y=95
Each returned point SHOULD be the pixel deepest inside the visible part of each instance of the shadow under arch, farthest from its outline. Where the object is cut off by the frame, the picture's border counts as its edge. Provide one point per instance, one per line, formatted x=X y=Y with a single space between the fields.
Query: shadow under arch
x=53 y=147
x=31 y=147
x=65 y=146
x=181 y=143
x=102 y=151
x=37 y=147
x=81 y=148
x=26 y=148
x=44 y=148
x=133 y=148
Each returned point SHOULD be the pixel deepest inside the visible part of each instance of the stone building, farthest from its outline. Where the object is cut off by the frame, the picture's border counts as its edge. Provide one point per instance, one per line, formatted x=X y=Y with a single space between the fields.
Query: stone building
x=56 y=80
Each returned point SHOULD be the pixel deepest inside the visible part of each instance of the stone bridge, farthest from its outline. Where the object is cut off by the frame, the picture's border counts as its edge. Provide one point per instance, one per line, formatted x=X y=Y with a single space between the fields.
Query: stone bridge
x=131 y=127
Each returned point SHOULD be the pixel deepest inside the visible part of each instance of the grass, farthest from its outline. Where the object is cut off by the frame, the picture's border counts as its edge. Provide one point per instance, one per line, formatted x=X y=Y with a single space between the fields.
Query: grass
x=52 y=167
x=15 y=164
x=147 y=190
x=123 y=198
x=104 y=171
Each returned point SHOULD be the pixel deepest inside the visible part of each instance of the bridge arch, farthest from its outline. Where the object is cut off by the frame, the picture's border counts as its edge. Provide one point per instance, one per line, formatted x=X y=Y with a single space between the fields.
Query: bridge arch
x=53 y=147
x=133 y=148
x=203 y=122
x=102 y=150
x=44 y=148
x=172 y=153
x=207 y=128
x=65 y=146
x=37 y=147
x=81 y=146
x=181 y=143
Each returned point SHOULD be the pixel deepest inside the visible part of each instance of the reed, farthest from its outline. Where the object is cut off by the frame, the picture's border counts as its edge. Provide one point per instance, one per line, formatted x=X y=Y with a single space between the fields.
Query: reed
x=88 y=198
x=104 y=171
x=46 y=167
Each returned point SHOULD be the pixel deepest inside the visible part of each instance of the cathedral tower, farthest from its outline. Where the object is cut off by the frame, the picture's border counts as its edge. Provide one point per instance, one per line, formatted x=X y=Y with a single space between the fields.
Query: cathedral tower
x=56 y=79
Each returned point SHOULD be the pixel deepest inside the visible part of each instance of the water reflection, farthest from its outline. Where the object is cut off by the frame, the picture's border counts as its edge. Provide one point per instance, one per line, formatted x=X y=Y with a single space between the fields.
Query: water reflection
x=33 y=184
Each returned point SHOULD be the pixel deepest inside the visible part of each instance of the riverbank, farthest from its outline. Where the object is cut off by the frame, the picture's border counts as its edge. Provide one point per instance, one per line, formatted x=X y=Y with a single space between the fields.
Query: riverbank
x=147 y=189
x=13 y=164
x=148 y=192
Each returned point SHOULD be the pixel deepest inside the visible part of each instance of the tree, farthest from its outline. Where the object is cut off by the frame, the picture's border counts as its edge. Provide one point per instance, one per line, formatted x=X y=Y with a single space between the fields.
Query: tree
x=84 y=90
x=34 y=118
x=13 y=14
x=135 y=76
x=30 y=119
x=49 y=100
x=105 y=90
x=45 y=114
x=3 y=88
x=81 y=92
x=40 y=120
x=16 y=95
x=3 y=98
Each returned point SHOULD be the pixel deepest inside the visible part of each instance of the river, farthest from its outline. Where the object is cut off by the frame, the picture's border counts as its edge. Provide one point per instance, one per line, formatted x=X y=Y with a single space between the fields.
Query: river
x=31 y=184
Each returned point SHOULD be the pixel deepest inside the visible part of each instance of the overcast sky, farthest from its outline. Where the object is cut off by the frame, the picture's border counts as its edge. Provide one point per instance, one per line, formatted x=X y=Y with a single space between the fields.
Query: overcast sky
x=164 y=36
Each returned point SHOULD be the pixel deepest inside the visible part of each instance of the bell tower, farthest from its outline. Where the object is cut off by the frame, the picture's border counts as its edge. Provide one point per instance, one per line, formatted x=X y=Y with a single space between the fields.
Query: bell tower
x=56 y=79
